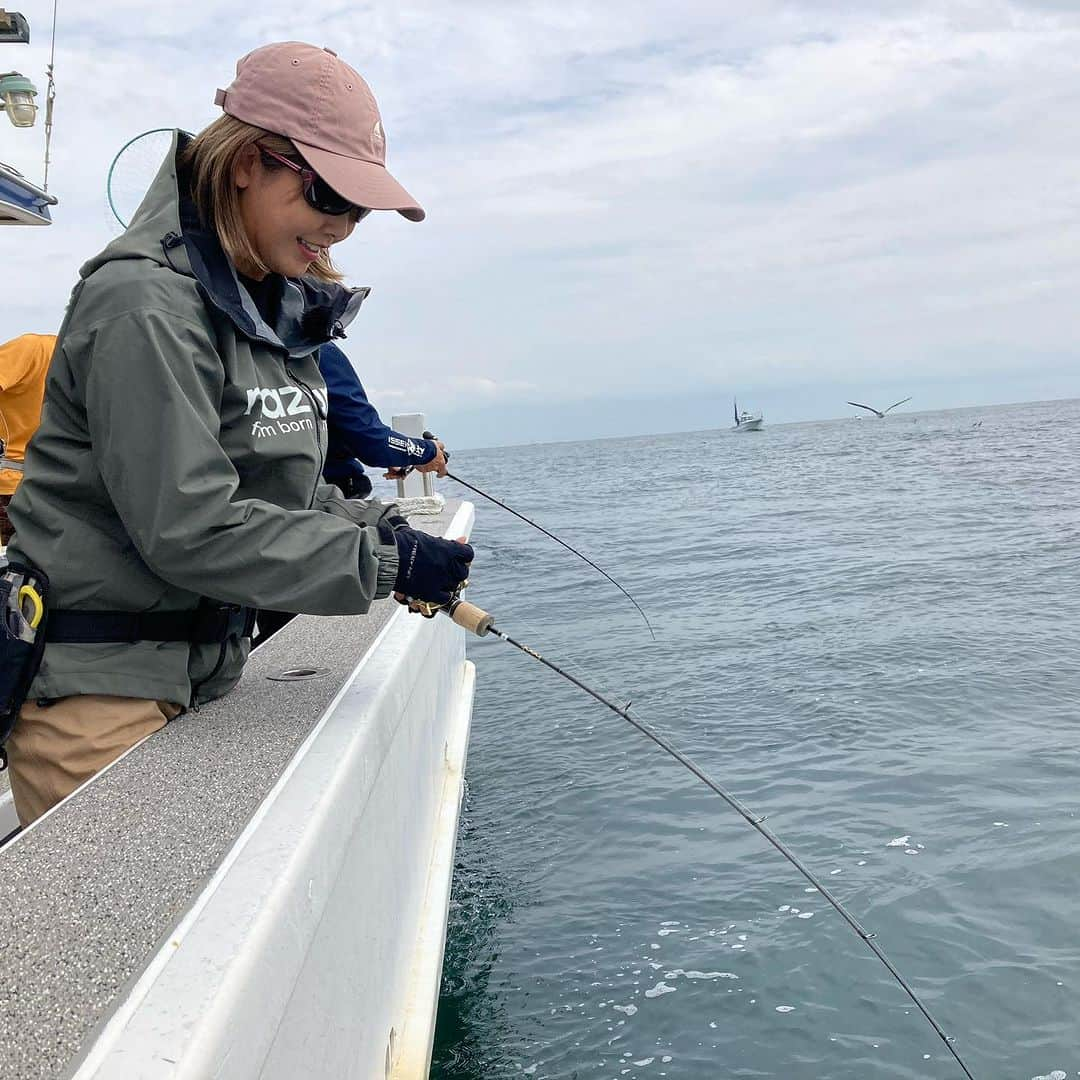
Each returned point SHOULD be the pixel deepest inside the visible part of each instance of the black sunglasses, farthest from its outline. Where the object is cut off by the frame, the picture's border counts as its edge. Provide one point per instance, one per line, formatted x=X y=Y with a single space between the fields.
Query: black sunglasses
x=318 y=194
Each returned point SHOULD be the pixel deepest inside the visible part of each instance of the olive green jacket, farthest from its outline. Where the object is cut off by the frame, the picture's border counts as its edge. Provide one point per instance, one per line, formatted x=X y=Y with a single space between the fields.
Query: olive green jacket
x=180 y=456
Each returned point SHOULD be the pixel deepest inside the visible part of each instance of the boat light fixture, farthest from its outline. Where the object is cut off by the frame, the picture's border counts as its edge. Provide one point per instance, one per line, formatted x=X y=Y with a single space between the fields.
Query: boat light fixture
x=17 y=95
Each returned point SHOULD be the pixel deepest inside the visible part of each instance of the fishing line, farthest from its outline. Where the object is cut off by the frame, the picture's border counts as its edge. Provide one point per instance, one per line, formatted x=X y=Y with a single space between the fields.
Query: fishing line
x=585 y=558
x=481 y=623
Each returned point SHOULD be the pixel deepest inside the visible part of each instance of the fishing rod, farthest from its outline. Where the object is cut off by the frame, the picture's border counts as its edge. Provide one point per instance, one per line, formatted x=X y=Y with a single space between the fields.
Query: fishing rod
x=402 y=473
x=480 y=623
x=491 y=498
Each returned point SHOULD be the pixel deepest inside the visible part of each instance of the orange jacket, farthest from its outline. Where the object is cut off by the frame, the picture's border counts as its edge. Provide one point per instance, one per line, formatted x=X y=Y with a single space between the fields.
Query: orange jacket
x=24 y=362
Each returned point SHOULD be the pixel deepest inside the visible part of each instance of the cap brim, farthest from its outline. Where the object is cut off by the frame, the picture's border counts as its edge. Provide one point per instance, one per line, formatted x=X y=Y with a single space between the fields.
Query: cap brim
x=362 y=182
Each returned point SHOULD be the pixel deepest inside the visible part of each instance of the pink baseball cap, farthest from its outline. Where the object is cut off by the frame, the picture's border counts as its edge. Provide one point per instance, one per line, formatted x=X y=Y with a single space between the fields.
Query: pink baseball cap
x=328 y=112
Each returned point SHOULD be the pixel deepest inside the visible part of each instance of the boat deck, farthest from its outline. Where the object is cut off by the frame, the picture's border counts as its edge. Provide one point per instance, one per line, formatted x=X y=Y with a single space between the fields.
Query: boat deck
x=93 y=890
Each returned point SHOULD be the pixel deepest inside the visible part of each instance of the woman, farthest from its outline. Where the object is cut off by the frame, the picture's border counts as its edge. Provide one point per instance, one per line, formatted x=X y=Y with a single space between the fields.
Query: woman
x=174 y=484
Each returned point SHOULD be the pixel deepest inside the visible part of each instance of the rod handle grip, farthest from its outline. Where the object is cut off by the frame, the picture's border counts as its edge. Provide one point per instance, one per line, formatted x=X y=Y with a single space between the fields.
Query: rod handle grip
x=476 y=620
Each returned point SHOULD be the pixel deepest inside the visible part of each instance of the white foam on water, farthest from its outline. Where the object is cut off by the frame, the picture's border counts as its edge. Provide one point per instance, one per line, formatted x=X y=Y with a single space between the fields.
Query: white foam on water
x=665 y=932
x=654 y=945
x=910 y=851
x=645 y=1061
x=676 y=972
x=861 y=862
x=785 y=1008
x=660 y=988
x=900 y=841
x=670 y=922
x=628 y=1009
x=666 y=1058
x=1005 y=825
x=742 y=937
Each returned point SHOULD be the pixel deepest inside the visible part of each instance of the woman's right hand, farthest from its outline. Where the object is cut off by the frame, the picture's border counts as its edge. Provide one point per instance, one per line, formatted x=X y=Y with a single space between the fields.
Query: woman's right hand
x=429 y=568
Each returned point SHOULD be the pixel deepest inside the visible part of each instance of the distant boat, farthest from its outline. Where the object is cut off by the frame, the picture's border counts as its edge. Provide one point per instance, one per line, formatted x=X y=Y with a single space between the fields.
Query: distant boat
x=879 y=413
x=747 y=421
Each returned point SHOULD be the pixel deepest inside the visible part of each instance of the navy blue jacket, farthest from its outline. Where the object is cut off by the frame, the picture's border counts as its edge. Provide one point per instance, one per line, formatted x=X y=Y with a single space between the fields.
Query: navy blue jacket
x=356 y=432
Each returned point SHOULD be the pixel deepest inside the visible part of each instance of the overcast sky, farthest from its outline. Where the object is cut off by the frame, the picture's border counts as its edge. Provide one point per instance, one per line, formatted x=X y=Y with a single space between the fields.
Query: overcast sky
x=637 y=210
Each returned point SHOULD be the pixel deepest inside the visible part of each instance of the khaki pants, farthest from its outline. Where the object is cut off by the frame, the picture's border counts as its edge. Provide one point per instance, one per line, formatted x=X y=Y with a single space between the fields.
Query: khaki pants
x=56 y=748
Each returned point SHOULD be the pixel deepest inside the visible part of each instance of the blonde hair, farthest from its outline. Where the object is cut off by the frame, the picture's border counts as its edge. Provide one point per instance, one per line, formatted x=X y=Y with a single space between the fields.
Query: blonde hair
x=212 y=156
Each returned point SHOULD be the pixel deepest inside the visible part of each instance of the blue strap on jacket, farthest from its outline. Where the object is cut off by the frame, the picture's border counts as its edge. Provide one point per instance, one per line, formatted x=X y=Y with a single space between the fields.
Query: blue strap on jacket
x=356 y=431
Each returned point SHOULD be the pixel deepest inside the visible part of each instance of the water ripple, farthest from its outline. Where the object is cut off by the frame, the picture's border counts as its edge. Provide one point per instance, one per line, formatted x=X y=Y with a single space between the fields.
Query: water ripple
x=867 y=630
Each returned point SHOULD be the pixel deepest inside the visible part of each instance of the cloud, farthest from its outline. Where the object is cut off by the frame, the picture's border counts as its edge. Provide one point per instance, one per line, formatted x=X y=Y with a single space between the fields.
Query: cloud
x=454 y=392
x=625 y=198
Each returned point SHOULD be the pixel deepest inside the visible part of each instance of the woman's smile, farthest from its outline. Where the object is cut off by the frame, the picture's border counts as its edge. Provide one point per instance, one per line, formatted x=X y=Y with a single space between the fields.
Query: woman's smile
x=311 y=251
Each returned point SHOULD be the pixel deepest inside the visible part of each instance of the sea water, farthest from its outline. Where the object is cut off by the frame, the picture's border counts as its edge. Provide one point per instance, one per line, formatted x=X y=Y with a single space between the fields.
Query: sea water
x=868 y=631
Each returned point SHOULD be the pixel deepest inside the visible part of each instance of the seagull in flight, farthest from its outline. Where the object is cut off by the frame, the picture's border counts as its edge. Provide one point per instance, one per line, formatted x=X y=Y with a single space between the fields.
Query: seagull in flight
x=880 y=414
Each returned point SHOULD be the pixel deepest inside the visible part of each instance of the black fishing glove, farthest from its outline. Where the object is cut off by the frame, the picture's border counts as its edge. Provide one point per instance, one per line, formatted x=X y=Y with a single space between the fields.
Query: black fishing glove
x=430 y=568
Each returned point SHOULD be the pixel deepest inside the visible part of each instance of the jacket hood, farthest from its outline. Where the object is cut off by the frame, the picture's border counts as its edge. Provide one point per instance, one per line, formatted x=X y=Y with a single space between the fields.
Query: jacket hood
x=166 y=229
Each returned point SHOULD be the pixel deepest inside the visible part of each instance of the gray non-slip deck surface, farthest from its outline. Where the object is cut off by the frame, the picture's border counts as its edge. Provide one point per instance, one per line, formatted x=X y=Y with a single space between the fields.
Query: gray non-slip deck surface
x=91 y=891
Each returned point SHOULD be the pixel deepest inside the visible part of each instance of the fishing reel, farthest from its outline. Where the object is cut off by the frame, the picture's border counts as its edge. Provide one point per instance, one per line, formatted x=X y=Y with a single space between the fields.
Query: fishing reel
x=429 y=609
x=466 y=615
